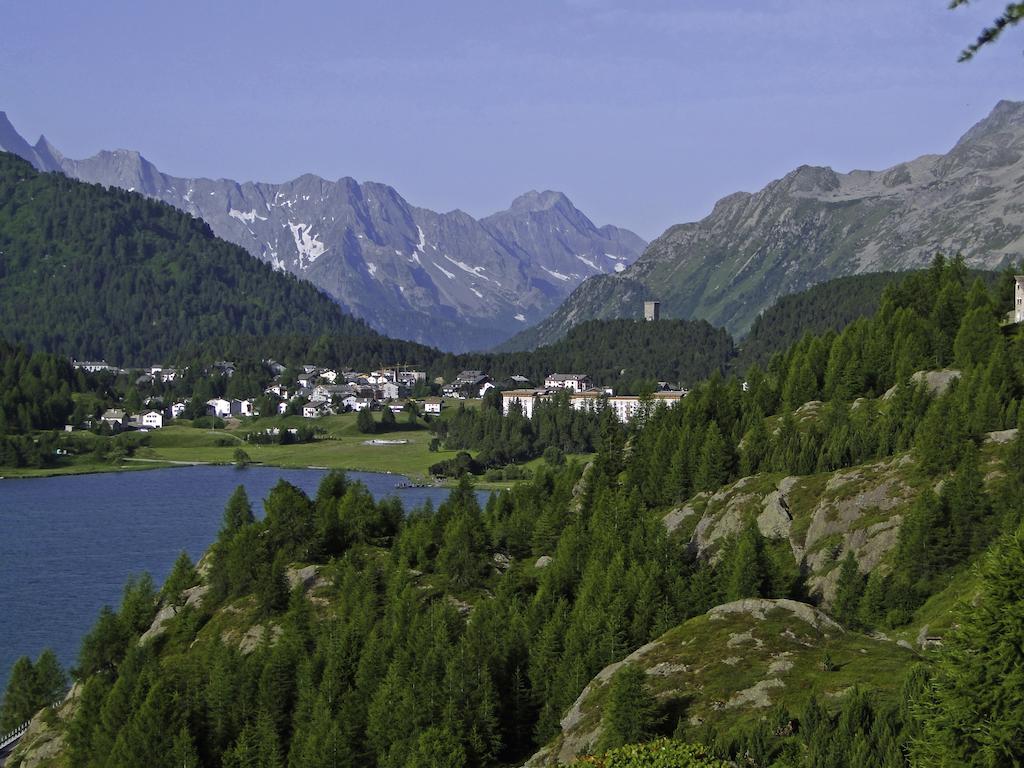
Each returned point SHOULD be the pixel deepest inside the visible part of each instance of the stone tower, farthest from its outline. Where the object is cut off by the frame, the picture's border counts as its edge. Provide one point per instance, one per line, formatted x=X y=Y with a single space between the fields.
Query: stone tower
x=652 y=309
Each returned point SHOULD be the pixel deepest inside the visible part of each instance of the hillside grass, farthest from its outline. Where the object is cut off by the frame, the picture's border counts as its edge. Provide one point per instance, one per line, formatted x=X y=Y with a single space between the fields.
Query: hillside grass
x=340 y=445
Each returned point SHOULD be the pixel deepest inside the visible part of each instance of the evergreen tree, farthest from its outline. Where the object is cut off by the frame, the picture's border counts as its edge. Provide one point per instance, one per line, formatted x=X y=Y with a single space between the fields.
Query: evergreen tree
x=365 y=422
x=971 y=713
x=713 y=469
x=849 y=590
x=747 y=572
x=20 y=700
x=237 y=513
x=183 y=576
x=631 y=711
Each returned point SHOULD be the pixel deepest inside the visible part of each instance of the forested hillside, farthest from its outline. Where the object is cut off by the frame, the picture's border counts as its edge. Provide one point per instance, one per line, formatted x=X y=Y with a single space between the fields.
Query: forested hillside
x=735 y=548
x=102 y=273
x=624 y=354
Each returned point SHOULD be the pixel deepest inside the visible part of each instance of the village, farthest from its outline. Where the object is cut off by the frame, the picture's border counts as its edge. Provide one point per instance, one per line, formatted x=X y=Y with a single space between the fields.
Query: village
x=314 y=392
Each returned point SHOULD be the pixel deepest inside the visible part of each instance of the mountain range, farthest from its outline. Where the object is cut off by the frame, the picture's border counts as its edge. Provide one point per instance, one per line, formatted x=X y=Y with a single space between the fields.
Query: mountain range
x=446 y=279
x=815 y=224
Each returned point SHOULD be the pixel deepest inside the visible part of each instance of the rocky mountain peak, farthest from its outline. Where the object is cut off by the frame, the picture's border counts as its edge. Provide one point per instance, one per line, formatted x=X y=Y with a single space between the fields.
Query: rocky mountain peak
x=811 y=179
x=540 y=201
x=446 y=279
x=1005 y=121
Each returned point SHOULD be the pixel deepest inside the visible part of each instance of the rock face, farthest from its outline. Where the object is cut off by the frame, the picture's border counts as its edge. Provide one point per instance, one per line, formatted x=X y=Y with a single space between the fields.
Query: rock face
x=730 y=665
x=193 y=599
x=856 y=510
x=816 y=224
x=445 y=279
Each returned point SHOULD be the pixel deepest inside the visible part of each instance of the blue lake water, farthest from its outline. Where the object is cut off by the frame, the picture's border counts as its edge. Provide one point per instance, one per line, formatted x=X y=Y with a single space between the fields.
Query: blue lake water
x=69 y=544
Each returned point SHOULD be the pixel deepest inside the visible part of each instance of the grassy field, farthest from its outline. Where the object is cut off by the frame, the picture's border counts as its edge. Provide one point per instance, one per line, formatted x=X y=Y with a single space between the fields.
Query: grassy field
x=340 y=446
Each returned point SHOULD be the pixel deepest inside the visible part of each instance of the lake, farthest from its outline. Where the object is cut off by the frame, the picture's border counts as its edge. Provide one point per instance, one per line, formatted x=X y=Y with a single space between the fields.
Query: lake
x=69 y=544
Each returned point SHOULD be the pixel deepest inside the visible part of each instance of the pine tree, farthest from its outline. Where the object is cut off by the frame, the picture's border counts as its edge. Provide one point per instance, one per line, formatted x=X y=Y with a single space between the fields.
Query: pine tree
x=713 y=469
x=972 y=713
x=183 y=576
x=365 y=422
x=631 y=711
x=237 y=513
x=849 y=589
x=747 y=572
x=20 y=699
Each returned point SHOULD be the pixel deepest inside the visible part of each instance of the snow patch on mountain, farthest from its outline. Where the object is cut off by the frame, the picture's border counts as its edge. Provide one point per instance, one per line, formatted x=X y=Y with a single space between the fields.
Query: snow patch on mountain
x=307 y=244
x=450 y=275
x=554 y=274
x=475 y=271
x=246 y=218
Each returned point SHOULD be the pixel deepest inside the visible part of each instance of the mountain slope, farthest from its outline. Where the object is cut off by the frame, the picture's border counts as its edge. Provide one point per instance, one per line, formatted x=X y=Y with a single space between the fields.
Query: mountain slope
x=99 y=273
x=441 y=278
x=815 y=224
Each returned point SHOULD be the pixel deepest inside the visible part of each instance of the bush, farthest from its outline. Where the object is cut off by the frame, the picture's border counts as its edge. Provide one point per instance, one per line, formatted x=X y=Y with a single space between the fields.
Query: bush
x=208 y=422
x=461 y=465
x=663 y=753
x=365 y=422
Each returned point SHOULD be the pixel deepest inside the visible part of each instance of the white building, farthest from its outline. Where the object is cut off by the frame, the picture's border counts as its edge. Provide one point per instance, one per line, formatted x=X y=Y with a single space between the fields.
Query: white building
x=177 y=409
x=1018 y=299
x=152 y=420
x=115 y=418
x=314 y=410
x=433 y=405
x=93 y=366
x=218 y=407
x=526 y=398
x=625 y=407
x=577 y=382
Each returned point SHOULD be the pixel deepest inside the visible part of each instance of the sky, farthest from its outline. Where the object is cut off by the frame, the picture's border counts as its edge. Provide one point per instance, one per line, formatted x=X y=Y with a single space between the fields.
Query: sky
x=644 y=112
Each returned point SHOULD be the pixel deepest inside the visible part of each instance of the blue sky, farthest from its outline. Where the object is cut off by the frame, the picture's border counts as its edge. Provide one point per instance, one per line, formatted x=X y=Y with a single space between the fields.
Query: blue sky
x=644 y=113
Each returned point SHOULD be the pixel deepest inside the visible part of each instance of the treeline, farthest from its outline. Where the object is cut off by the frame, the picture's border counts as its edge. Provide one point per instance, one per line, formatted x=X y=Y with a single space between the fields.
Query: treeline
x=504 y=439
x=629 y=355
x=93 y=272
x=35 y=390
x=36 y=393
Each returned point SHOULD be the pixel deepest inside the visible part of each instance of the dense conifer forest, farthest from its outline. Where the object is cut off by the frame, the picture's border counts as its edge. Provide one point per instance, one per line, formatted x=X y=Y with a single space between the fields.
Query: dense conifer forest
x=431 y=637
x=102 y=273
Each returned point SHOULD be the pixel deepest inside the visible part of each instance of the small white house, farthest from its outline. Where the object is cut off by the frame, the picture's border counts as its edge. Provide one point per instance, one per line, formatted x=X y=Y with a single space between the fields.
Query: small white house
x=575 y=382
x=218 y=407
x=115 y=418
x=433 y=405
x=177 y=410
x=241 y=407
x=152 y=420
x=314 y=410
x=388 y=390
x=282 y=408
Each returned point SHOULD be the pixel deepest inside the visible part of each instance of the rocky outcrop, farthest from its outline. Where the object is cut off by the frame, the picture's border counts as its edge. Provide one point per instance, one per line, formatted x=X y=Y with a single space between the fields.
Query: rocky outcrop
x=728 y=665
x=936 y=382
x=192 y=598
x=856 y=510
